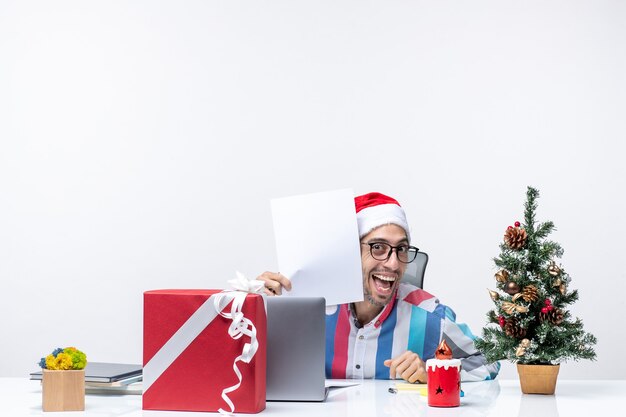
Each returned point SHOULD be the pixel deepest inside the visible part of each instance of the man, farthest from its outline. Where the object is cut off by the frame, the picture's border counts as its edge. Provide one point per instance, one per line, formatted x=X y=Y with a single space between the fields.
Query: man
x=397 y=327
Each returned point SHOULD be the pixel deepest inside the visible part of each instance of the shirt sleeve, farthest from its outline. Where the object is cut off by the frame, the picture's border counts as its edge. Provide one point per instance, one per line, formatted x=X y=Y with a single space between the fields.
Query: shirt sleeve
x=474 y=365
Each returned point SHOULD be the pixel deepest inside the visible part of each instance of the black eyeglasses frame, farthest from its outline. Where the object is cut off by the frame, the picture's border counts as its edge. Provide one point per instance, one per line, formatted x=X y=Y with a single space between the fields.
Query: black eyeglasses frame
x=411 y=250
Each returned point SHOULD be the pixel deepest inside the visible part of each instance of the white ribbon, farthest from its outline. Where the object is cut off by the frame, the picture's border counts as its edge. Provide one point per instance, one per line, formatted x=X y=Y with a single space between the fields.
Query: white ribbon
x=241 y=283
x=182 y=338
x=240 y=326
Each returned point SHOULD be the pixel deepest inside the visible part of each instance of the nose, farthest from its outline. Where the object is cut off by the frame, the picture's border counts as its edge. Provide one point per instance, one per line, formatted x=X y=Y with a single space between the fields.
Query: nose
x=392 y=261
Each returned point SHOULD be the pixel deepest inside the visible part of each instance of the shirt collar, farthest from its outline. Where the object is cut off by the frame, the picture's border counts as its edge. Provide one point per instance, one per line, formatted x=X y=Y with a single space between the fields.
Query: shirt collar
x=378 y=321
x=380 y=318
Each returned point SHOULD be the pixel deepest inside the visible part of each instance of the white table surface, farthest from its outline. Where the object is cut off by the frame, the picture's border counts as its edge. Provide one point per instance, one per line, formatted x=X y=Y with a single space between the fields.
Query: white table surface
x=501 y=398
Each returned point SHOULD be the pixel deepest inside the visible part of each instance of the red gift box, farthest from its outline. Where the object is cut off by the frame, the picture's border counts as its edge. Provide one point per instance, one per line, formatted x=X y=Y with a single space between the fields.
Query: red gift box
x=188 y=353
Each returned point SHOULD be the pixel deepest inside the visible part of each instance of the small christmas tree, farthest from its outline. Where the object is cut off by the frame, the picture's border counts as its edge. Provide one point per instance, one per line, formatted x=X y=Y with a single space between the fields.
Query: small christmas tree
x=533 y=325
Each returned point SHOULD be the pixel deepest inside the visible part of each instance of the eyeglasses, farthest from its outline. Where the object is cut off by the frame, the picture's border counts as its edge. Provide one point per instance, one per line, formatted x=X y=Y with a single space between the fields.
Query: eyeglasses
x=381 y=251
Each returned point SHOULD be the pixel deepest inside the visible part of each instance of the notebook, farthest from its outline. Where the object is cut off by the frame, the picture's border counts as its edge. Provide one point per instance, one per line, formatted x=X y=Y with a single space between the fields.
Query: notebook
x=296 y=348
x=106 y=372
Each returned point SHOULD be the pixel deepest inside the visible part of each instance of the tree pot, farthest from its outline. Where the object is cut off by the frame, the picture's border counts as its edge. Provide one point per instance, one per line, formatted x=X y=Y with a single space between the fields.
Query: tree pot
x=63 y=390
x=538 y=379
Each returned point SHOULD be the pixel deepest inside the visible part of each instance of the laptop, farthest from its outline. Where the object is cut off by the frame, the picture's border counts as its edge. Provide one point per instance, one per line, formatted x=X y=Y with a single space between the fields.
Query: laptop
x=296 y=348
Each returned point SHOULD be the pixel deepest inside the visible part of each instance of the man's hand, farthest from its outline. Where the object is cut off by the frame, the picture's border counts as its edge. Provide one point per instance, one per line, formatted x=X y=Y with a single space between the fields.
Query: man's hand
x=409 y=366
x=274 y=282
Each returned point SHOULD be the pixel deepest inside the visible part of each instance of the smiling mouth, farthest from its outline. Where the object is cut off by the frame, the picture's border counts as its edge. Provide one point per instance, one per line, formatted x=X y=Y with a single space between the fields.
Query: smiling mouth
x=383 y=283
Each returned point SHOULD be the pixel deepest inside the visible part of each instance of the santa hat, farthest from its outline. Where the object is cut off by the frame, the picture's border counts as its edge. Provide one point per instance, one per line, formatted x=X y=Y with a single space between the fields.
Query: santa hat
x=376 y=209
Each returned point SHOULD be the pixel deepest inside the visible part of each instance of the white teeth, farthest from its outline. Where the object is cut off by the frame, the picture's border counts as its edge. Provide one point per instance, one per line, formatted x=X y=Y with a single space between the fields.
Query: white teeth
x=383 y=278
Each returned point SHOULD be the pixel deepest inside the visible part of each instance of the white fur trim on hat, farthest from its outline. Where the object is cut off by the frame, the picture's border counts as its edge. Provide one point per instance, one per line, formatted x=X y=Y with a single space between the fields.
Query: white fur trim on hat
x=370 y=218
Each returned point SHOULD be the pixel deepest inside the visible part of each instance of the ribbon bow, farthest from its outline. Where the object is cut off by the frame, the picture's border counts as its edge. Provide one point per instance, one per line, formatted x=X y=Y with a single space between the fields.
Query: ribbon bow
x=240 y=325
x=241 y=283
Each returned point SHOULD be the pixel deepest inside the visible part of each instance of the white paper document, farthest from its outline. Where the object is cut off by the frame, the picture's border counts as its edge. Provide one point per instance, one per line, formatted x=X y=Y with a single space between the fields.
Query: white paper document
x=317 y=244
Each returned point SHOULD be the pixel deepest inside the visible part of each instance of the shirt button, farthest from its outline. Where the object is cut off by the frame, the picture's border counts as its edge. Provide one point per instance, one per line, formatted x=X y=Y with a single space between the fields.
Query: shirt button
x=361 y=337
x=358 y=367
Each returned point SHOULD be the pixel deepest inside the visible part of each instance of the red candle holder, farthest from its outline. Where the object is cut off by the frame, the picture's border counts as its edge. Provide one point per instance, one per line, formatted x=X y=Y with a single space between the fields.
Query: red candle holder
x=444 y=382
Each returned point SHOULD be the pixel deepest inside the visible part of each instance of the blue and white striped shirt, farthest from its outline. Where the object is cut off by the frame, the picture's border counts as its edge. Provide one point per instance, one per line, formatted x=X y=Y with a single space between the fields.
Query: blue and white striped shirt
x=415 y=321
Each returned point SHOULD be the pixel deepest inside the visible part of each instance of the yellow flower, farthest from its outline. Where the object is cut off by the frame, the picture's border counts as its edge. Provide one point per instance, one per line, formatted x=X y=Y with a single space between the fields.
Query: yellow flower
x=63 y=361
x=50 y=361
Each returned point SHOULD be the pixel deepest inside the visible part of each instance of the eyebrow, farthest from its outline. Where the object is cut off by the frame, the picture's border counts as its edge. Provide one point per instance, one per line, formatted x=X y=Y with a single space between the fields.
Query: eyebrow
x=382 y=240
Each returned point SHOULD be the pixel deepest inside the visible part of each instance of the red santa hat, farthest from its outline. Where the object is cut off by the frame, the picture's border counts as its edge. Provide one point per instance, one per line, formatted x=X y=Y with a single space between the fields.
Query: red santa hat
x=376 y=209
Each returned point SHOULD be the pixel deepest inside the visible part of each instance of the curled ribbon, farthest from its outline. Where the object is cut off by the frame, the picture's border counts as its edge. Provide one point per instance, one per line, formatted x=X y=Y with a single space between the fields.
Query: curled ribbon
x=240 y=326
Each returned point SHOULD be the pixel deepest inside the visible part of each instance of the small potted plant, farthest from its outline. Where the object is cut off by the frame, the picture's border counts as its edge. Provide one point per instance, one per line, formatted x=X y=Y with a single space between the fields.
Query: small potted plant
x=530 y=324
x=63 y=380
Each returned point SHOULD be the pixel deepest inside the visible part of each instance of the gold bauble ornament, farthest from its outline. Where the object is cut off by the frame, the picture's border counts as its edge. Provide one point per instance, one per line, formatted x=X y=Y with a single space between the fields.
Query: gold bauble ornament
x=553 y=269
x=502 y=275
x=511 y=288
x=525 y=343
x=494 y=295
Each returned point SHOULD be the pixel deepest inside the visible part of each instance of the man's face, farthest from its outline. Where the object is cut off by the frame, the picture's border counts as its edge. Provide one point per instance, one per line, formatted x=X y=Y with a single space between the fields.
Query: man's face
x=381 y=278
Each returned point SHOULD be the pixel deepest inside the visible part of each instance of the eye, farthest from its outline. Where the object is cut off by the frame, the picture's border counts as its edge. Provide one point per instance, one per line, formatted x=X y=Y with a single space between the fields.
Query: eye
x=378 y=247
x=402 y=249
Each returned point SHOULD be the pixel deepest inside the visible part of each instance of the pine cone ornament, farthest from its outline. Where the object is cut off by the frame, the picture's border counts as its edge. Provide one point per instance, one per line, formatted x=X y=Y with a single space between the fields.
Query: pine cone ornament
x=515 y=237
x=554 y=316
x=529 y=293
x=512 y=329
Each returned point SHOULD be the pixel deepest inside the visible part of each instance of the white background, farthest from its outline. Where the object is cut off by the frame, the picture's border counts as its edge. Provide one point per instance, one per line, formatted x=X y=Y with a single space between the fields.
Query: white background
x=141 y=143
